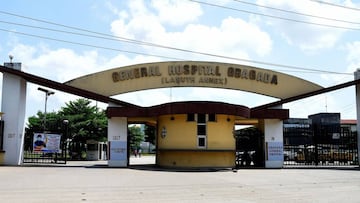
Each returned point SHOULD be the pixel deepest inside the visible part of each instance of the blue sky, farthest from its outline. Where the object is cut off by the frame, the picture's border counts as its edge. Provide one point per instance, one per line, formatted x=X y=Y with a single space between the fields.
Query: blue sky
x=232 y=28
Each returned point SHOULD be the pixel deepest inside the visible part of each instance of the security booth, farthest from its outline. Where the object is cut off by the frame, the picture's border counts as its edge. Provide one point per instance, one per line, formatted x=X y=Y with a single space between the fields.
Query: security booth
x=200 y=134
x=96 y=150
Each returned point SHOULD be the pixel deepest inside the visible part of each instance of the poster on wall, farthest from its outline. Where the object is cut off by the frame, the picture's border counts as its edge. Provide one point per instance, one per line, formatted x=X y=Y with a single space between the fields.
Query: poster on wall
x=275 y=151
x=118 y=150
x=44 y=142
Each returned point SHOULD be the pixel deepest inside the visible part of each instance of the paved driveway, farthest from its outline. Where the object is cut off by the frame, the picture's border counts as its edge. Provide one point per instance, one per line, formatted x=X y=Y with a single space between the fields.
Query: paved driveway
x=94 y=182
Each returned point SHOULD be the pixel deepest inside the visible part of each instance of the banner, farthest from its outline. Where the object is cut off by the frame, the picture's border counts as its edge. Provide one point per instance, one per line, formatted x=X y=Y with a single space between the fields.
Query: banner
x=44 y=142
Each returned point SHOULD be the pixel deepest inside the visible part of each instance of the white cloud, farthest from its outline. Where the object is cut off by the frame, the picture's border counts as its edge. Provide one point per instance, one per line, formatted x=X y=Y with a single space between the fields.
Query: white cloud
x=177 y=12
x=353 y=56
x=63 y=64
x=146 y=97
x=307 y=36
x=23 y=52
x=233 y=37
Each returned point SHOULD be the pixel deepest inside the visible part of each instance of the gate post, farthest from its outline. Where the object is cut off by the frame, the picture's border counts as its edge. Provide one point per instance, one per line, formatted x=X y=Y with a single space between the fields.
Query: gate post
x=357 y=96
x=13 y=106
x=273 y=137
x=118 y=142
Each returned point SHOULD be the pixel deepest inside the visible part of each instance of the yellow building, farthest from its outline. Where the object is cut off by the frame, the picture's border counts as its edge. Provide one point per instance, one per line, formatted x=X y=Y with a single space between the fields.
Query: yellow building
x=195 y=134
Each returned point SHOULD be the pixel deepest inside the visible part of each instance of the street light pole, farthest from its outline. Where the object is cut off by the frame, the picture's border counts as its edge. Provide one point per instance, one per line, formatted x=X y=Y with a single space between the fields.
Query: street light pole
x=64 y=149
x=47 y=94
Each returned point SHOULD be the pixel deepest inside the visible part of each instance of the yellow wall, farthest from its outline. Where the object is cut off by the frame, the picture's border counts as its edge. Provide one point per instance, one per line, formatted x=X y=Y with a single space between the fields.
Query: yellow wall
x=188 y=159
x=2 y=156
x=220 y=133
x=179 y=147
x=181 y=134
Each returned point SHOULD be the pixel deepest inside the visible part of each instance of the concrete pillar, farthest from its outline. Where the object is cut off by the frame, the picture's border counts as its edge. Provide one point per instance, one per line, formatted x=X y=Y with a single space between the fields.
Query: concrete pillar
x=357 y=89
x=274 y=150
x=13 y=106
x=118 y=146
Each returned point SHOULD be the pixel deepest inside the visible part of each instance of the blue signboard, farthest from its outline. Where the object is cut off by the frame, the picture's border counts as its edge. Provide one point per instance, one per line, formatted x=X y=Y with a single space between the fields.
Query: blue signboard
x=118 y=150
x=275 y=151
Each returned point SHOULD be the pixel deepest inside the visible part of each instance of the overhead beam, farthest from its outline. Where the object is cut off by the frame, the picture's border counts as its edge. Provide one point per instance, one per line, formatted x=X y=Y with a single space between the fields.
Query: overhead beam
x=64 y=88
x=309 y=94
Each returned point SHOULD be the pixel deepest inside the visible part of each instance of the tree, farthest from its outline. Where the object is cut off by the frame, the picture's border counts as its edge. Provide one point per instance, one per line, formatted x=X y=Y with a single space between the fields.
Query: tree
x=136 y=136
x=85 y=122
x=150 y=134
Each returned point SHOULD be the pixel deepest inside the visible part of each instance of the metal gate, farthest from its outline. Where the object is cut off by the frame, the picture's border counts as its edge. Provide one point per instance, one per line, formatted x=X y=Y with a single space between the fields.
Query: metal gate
x=321 y=146
x=249 y=148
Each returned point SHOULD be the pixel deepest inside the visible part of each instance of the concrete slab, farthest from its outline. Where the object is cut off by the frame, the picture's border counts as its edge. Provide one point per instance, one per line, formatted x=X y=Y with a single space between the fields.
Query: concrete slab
x=89 y=183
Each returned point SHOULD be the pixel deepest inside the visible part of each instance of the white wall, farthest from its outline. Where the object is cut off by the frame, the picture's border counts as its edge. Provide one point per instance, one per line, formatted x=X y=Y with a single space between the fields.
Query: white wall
x=273 y=132
x=13 y=106
x=117 y=137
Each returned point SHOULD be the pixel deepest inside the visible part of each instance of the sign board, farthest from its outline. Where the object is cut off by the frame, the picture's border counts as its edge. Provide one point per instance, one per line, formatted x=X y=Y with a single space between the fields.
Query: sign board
x=44 y=142
x=193 y=74
x=118 y=150
x=275 y=151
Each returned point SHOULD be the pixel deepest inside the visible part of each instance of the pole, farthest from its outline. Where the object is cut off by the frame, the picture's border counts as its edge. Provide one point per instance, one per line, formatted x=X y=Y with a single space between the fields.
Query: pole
x=47 y=94
x=45 y=113
x=357 y=96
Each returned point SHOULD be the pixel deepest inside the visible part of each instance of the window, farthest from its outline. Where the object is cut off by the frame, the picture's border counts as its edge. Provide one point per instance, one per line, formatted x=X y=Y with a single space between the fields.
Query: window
x=190 y=117
x=202 y=141
x=201 y=118
x=201 y=130
x=212 y=117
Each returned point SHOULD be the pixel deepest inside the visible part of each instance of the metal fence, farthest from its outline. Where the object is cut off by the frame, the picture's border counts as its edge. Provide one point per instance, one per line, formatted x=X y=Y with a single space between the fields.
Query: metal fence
x=44 y=158
x=340 y=153
x=334 y=155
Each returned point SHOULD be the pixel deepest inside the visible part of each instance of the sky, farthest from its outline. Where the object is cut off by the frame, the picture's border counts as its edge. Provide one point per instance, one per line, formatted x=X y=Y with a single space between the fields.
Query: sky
x=62 y=40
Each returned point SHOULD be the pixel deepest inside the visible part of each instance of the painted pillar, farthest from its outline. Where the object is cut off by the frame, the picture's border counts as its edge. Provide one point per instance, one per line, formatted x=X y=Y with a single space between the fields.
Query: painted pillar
x=13 y=106
x=118 y=146
x=274 y=152
x=357 y=89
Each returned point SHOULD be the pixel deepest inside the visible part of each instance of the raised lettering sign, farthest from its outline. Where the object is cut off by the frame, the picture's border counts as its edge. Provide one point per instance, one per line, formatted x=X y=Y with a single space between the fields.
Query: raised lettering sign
x=195 y=74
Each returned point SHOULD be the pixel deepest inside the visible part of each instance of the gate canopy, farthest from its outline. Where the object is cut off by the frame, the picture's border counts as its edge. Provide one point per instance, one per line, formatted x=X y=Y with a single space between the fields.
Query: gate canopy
x=194 y=74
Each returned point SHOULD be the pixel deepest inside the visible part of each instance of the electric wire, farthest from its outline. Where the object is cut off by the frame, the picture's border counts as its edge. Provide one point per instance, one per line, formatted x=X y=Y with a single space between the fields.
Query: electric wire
x=89 y=45
x=336 y=5
x=312 y=100
x=298 y=13
x=304 y=70
x=144 y=43
x=277 y=17
x=349 y=108
x=73 y=33
x=161 y=46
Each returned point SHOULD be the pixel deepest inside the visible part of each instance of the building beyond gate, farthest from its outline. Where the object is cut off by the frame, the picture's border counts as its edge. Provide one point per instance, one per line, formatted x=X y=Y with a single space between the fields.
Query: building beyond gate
x=322 y=139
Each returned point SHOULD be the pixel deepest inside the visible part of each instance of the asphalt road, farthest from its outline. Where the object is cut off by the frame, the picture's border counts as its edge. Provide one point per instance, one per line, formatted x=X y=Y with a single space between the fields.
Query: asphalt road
x=95 y=182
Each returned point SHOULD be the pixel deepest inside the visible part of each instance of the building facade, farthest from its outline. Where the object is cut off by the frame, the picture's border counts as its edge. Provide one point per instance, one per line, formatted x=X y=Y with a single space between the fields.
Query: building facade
x=189 y=134
x=321 y=139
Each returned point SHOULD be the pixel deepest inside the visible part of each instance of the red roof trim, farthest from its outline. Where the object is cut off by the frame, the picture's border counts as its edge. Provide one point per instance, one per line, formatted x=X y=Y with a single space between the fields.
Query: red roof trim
x=348 y=121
